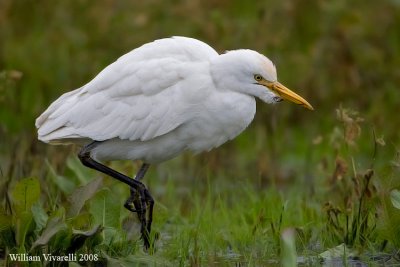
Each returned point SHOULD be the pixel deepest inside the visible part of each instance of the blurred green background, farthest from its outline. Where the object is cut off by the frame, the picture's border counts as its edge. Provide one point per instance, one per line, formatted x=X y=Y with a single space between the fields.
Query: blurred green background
x=333 y=53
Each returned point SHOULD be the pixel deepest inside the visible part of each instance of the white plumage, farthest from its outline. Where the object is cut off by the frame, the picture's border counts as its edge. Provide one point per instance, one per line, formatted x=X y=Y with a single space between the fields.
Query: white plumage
x=164 y=97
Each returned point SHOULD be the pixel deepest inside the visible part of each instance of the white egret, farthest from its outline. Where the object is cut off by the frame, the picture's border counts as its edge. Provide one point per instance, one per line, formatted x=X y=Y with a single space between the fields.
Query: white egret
x=165 y=97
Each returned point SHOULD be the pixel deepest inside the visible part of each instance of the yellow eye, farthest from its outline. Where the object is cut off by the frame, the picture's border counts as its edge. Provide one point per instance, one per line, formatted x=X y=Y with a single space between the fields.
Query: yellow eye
x=258 y=77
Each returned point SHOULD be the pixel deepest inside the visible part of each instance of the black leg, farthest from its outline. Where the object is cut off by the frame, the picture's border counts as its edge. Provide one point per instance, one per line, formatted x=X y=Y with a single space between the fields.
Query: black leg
x=136 y=201
x=134 y=204
x=141 y=196
x=130 y=202
x=150 y=202
x=142 y=171
x=148 y=198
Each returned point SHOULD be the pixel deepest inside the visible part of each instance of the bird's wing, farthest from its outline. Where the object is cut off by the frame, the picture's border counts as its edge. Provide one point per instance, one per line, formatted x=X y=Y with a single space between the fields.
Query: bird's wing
x=144 y=94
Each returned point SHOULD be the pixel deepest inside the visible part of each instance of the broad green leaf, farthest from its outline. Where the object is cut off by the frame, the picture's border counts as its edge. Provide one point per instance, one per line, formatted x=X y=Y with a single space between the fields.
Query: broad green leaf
x=25 y=193
x=81 y=221
x=62 y=239
x=106 y=211
x=22 y=223
x=39 y=216
x=81 y=194
x=395 y=198
x=105 y=208
x=55 y=224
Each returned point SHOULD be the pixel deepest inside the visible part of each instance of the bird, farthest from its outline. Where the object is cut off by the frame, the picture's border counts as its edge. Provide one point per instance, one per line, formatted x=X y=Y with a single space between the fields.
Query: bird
x=165 y=97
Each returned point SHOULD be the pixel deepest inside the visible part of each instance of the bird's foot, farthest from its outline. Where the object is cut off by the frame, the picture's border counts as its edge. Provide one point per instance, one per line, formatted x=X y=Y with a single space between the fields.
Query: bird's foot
x=129 y=205
x=140 y=201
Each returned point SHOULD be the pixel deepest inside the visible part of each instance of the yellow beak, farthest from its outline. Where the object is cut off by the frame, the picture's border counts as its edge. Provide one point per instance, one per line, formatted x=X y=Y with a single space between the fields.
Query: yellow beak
x=287 y=94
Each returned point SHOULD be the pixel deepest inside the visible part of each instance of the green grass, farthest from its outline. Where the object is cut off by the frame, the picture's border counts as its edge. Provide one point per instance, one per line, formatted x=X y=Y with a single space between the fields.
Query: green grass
x=297 y=186
x=206 y=219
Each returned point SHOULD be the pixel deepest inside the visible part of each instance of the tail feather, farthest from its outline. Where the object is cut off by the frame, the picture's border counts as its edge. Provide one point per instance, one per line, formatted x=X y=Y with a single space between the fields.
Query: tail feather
x=51 y=124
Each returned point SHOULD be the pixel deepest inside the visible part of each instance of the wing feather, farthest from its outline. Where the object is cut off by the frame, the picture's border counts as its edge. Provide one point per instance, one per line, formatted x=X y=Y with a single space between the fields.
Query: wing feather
x=144 y=94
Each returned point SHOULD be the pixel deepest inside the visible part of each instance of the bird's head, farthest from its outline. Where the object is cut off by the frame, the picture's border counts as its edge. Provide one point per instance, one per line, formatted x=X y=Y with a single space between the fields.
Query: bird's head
x=249 y=72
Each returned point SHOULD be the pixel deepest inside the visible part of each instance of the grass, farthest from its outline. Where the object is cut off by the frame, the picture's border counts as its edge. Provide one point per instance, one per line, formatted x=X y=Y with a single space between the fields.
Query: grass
x=204 y=219
x=296 y=187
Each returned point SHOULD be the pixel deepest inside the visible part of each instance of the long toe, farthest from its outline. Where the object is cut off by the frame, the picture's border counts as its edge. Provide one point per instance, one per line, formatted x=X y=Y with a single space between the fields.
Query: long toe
x=129 y=205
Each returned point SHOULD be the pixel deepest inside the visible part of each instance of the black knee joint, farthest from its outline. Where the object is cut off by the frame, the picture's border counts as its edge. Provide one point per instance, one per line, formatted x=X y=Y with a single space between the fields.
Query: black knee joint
x=84 y=157
x=84 y=153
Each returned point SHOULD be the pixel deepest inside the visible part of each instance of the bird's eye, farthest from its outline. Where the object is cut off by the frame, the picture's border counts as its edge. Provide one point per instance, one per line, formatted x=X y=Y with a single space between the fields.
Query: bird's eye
x=258 y=77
